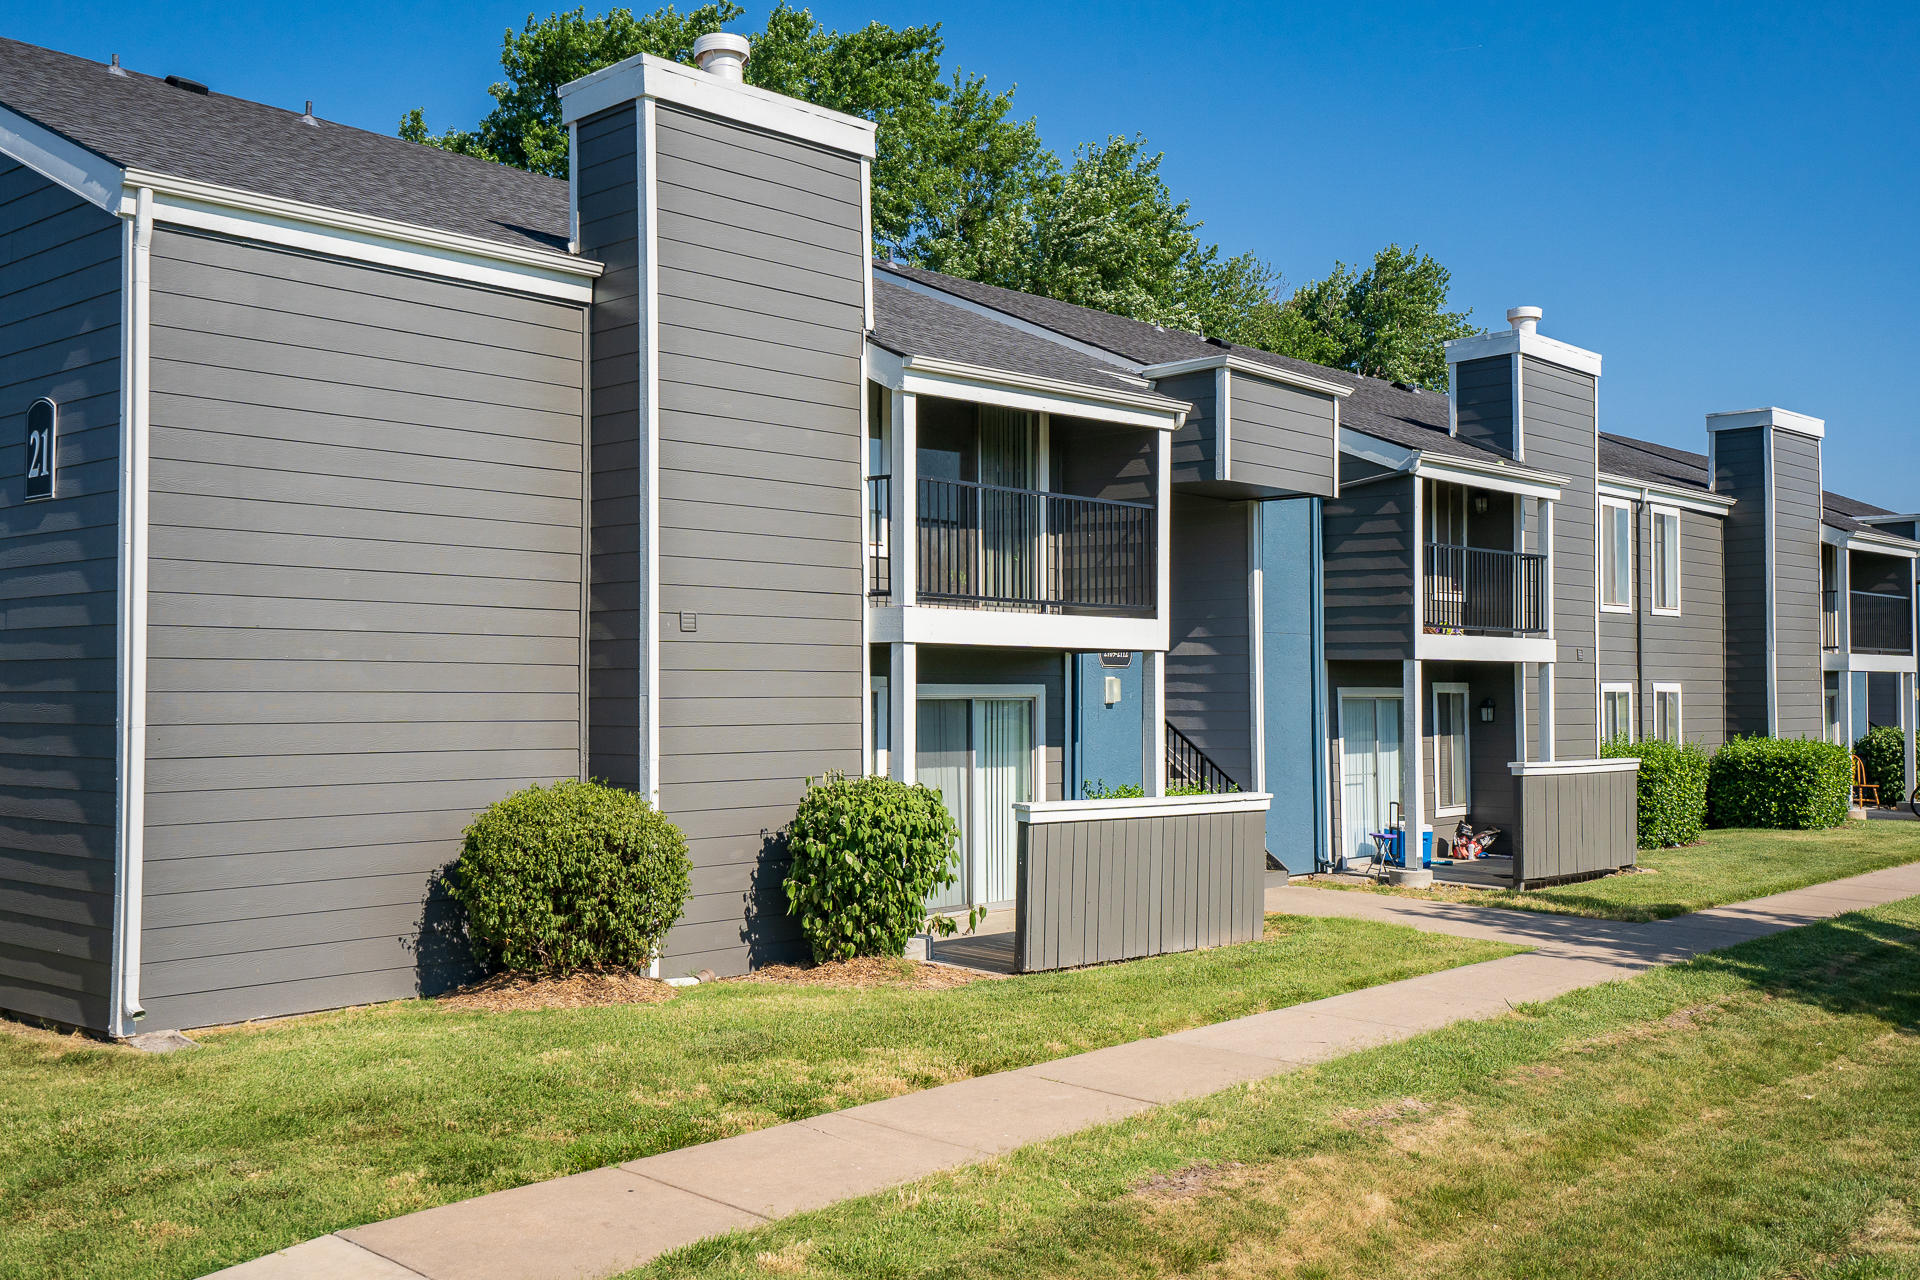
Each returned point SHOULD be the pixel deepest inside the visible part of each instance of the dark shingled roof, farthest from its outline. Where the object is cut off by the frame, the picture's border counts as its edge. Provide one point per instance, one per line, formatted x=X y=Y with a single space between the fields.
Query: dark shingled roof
x=913 y=324
x=138 y=121
x=1652 y=463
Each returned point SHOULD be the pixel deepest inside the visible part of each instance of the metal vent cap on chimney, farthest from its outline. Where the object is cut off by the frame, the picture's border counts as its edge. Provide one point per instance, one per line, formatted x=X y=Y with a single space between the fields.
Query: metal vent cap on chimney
x=1524 y=319
x=722 y=54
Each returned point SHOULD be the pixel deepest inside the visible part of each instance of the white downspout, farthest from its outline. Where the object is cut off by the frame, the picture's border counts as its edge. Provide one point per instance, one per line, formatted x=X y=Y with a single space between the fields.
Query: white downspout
x=132 y=646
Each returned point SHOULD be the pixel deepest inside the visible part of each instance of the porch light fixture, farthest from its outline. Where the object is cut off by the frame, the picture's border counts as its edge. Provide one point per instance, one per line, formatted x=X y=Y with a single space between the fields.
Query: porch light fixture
x=1486 y=711
x=1480 y=504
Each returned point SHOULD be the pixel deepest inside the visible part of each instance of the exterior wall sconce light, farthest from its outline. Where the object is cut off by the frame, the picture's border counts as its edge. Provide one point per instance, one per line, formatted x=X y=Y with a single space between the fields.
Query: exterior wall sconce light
x=1480 y=504
x=1486 y=711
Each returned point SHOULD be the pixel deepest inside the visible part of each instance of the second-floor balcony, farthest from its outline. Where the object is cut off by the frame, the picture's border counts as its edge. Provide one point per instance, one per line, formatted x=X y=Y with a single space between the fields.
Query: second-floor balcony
x=999 y=547
x=1880 y=622
x=1483 y=591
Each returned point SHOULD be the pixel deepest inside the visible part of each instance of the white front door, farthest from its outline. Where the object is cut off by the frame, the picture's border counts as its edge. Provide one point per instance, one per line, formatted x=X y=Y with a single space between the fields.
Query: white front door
x=978 y=753
x=1370 y=769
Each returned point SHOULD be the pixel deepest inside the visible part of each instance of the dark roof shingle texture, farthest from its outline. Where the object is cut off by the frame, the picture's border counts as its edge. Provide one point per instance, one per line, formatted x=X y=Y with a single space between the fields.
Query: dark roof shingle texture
x=138 y=121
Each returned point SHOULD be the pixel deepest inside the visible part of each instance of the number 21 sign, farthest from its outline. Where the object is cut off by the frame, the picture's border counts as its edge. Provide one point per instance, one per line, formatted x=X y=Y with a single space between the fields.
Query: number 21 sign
x=42 y=421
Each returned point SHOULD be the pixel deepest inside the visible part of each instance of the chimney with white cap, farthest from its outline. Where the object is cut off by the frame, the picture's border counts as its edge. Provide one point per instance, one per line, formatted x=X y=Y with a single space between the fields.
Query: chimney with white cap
x=723 y=54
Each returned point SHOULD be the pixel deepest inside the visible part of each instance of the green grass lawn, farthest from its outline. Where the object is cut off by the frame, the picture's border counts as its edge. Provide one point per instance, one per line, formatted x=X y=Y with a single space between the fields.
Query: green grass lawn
x=117 y=1164
x=1726 y=866
x=1755 y=1113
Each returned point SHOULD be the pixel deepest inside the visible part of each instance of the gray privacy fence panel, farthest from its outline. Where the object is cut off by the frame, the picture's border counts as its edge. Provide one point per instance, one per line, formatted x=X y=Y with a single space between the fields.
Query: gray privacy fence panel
x=1577 y=818
x=1116 y=880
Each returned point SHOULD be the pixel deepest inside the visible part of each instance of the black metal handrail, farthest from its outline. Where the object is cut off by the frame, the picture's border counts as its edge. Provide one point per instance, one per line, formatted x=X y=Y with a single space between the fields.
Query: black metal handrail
x=1879 y=622
x=1829 y=619
x=879 y=536
x=1484 y=591
x=1189 y=766
x=995 y=545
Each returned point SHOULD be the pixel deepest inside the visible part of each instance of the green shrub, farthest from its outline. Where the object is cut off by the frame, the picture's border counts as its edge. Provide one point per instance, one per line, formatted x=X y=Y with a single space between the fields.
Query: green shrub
x=1673 y=790
x=867 y=853
x=1791 y=784
x=1883 y=752
x=1099 y=790
x=578 y=875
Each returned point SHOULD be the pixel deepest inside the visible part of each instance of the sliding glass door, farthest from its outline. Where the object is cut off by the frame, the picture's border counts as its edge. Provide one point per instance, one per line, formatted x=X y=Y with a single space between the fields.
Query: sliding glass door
x=978 y=753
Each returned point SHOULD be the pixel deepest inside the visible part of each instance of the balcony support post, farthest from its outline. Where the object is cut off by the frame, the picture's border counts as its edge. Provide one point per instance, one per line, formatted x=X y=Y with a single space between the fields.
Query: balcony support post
x=1906 y=728
x=903 y=713
x=903 y=539
x=1546 y=710
x=1843 y=600
x=1413 y=774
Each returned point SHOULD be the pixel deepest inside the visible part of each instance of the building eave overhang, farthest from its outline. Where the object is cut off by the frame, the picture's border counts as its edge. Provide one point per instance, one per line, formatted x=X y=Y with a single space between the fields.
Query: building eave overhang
x=1613 y=486
x=1251 y=368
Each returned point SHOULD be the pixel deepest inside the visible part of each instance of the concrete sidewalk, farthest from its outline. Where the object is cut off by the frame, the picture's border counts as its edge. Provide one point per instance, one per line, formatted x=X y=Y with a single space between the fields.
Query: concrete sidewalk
x=609 y=1220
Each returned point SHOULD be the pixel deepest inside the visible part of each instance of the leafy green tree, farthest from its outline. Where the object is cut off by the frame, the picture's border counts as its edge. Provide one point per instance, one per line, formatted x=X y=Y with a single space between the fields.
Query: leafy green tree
x=951 y=158
x=1389 y=321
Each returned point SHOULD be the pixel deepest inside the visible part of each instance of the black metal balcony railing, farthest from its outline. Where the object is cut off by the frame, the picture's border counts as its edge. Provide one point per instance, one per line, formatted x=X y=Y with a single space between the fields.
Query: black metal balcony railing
x=1879 y=622
x=985 y=544
x=879 y=533
x=1189 y=766
x=1829 y=619
x=1482 y=591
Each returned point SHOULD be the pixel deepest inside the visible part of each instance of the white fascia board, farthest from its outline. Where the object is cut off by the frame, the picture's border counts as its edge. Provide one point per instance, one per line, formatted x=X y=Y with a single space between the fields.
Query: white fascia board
x=1879 y=662
x=1011 y=321
x=1430 y=647
x=1252 y=369
x=1772 y=416
x=316 y=229
x=1539 y=346
x=1697 y=500
x=1039 y=812
x=922 y=375
x=1501 y=479
x=1006 y=629
x=93 y=178
x=1536 y=768
x=1879 y=544
x=1382 y=453
x=645 y=76
x=1888 y=519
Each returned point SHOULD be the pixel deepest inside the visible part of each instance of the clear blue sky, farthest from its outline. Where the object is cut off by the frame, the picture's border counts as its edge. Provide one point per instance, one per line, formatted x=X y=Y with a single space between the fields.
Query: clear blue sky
x=1721 y=201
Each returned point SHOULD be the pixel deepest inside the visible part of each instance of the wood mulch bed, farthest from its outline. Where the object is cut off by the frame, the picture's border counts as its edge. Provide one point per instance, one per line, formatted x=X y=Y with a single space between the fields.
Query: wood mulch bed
x=517 y=992
x=867 y=972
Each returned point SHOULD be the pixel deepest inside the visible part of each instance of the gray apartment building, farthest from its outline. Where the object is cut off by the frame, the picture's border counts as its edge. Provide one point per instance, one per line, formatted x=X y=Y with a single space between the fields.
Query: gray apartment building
x=347 y=486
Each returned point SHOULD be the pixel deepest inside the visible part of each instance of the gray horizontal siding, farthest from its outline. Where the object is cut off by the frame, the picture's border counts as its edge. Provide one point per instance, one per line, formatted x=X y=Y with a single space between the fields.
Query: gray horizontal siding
x=1560 y=434
x=1740 y=473
x=1797 y=513
x=1688 y=649
x=60 y=300
x=366 y=614
x=1193 y=444
x=1210 y=666
x=1280 y=439
x=761 y=263
x=1483 y=403
x=1367 y=538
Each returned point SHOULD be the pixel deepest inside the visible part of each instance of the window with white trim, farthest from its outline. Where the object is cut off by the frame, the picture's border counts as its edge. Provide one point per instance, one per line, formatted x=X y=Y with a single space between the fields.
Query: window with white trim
x=1451 y=785
x=1616 y=712
x=1666 y=560
x=1666 y=713
x=1616 y=556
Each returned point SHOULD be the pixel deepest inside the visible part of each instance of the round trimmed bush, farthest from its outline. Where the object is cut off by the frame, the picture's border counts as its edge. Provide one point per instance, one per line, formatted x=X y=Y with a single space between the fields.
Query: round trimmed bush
x=867 y=853
x=1788 y=784
x=1883 y=755
x=578 y=875
x=1672 y=790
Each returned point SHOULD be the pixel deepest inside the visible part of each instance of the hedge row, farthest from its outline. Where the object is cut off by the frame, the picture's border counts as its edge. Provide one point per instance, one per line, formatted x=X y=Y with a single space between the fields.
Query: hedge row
x=1673 y=790
x=1781 y=783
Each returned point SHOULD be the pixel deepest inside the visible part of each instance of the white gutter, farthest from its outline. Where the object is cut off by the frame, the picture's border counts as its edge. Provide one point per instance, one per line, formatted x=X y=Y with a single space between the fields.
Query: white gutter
x=131 y=779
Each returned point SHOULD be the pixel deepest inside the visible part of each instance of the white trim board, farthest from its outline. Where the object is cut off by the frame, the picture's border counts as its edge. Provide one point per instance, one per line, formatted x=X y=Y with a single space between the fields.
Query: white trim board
x=953 y=380
x=1039 y=813
x=1771 y=416
x=1711 y=504
x=1009 y=629
x=1537 y=768
x=1434 y=647
x=1229 y=362
x=93 y=178
x=1493 y=474
x=1879 y=544
x=644 y=76
x=1510 y=342
x=1464 y=691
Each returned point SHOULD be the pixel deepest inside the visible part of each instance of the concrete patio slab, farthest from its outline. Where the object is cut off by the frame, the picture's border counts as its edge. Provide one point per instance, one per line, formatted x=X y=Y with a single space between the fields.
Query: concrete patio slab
x=995 y=1114
x=590 y=1224
x=806 y=1165
x=327 y=1258
x=1159 y=1070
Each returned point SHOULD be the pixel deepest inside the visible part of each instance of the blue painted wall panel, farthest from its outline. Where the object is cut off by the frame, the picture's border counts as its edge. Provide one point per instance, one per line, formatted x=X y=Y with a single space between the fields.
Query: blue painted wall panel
x=1107 y=738
x=1293 y=684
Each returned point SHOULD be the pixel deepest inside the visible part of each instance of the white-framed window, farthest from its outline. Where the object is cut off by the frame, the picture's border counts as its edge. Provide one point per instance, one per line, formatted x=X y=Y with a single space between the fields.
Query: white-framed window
x=1616 y=712
x=880 y=707
x=1666 y=713
x=1452 y=784
x=1616 y=556
x=1666 y=560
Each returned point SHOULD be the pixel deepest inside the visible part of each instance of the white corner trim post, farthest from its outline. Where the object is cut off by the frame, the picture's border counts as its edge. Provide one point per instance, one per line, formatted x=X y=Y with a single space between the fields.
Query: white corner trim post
x=1412 y=769
x=1907 y=723
x=131 y=646
x=903 y=712
x=649 y=469
x=1153 y=723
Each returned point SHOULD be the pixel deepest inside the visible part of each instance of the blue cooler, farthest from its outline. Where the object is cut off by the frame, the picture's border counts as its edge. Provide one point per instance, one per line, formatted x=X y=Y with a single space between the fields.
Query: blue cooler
x=1392 y=844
